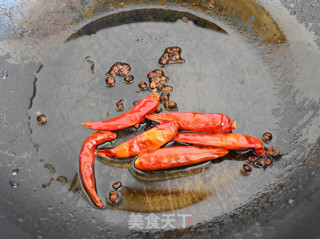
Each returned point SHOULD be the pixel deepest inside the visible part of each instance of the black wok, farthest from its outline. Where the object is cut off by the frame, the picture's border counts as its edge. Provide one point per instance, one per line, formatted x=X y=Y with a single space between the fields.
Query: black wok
x=259 y=67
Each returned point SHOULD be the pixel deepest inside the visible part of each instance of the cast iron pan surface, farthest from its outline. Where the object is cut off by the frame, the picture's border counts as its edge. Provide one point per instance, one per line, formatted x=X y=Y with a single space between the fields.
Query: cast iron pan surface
x=263 y=85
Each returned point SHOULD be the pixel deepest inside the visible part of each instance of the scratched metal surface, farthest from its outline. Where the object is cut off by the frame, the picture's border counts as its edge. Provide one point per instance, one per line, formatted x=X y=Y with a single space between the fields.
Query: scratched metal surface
x=257 y=85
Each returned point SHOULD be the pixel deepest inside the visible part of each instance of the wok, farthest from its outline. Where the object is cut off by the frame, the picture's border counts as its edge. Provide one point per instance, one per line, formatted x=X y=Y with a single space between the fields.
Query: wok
x=249 y=60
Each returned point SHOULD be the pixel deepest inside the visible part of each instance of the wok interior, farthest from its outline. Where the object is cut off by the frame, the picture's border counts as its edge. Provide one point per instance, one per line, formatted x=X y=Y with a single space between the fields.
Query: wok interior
x=251 y=74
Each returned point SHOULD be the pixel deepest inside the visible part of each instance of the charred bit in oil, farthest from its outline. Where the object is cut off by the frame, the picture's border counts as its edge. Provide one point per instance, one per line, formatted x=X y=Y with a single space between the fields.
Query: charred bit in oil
x=90 y=62
x=62 y=179
x=49 y=183
x=50 y=168
x=135 y=102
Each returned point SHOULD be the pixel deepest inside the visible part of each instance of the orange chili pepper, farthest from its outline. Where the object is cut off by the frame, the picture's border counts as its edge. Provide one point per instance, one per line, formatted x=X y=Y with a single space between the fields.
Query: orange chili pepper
x=173 y=157
x=226 y=141
x=86 y=162
x=200 y=122
x=151 y=139
x=132 y=117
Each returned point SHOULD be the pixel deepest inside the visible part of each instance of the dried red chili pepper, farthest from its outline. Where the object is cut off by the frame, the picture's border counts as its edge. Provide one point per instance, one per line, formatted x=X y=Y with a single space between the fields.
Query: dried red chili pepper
x=134 y=116
x=226 y=141
x=200 y=122
x=173 y=157
x=86 y=162
x=152 y=139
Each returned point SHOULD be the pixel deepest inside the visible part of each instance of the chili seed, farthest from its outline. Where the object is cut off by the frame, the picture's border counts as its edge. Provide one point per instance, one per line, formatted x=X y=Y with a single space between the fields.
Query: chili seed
x=135 y=102
x=110 y=81
x=42 y=119
x=268 y=161
x=143 y=85
x=159 y=109
x=170 y=104
x=117 y=185
x=113 y=196
x=129 y=78
x=262 y=163
x=164 y=96
x=246 y=167
x=120 y=104
x=267 y=136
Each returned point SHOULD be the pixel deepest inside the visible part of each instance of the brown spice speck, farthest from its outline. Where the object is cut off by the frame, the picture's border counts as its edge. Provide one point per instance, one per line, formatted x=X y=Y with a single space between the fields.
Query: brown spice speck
x=120 y=104
x=113 y=196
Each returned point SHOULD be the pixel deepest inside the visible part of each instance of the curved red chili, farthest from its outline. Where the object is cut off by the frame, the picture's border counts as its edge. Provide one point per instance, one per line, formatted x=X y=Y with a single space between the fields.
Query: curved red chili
x=151 y=139
x=200 y=122
x=173 y=157
x=86 y=162
x=226 y=141
x=134 y=116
